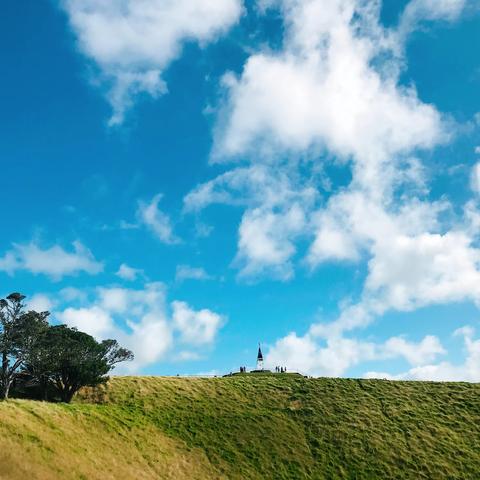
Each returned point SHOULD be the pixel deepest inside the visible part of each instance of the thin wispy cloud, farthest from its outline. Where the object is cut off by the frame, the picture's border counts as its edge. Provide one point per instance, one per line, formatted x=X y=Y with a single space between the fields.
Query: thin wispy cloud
x=157 y=221
x=187 y=272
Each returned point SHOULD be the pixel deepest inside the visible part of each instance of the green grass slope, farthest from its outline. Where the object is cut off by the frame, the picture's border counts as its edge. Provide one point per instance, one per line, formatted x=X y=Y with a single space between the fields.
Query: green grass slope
x=247 y=427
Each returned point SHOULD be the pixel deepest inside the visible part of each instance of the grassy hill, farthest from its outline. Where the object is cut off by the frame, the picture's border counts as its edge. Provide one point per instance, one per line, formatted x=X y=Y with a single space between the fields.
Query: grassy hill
x=246 y=427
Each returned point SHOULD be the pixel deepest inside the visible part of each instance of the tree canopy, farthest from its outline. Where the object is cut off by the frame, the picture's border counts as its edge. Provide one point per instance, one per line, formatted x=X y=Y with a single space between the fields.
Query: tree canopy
x=19 y=332
x=53 y=358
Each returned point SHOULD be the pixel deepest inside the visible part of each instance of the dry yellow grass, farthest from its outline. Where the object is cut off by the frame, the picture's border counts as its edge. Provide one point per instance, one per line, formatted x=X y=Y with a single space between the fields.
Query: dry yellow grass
x=41 y=441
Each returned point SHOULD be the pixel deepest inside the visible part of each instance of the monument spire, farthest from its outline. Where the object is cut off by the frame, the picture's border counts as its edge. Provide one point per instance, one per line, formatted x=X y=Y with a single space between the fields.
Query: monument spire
x=259 y=358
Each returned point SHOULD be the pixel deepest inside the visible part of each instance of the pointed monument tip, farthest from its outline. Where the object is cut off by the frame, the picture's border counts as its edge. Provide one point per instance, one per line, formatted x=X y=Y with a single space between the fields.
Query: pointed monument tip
x=259 y=355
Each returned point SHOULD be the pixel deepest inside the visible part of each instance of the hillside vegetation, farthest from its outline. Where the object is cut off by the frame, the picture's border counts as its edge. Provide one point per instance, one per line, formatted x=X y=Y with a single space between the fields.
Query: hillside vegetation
x=246 y=427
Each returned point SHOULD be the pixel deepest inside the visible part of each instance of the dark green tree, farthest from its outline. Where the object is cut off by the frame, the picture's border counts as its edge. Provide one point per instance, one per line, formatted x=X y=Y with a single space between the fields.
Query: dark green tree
x=67 y=360
x=19 y=332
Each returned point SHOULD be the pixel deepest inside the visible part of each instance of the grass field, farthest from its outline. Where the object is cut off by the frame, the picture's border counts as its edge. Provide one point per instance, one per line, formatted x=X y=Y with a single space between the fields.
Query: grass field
x=247 y=427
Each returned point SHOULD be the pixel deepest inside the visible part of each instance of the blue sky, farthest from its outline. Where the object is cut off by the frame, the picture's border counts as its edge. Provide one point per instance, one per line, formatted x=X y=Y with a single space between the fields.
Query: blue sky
x=193 y=177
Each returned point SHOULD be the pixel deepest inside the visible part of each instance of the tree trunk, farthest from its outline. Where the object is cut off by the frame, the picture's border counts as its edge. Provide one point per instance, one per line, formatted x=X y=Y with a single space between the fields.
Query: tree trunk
x=44 y=389
x=70 y=392
x=5 y=386
x=66 y=394
x=6 y=389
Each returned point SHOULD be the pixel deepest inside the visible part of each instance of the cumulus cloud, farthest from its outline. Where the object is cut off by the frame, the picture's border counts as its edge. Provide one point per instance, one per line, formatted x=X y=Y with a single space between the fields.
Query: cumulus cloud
x=40 y=303
x=94 y=320
x=408 y=272
x=126 y=272
x=336 y=355
x=133 y=42
x=54 y=262
x=196 y=327
x=186 y=272
x=411 y=272
x=305 y=355
x=266 y=241
x=140 y=319
x=415 y=353
x=332 y=94
x=156 y=221
x=468 y=371
x=276 y=215
x=322 y=90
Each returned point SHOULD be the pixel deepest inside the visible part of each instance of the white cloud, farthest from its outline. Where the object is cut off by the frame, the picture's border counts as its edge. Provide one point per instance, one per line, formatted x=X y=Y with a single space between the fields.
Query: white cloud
x=151 y=338
x=156 y=220
x=322 y=91
x=304 y=355
x=415 y=353
x=468 y=371
x=134 y=41
x=333 y=88
x=72 y=294
x=94 y=320
x=54 y=261
x=419 y=10
x=124 y=225
x=336 y=355
x=40 y=303
x=331 y=241
x=475 y=178
x=139 y=320
x=136 y=318
x=126 y=272
x=351 y=317
x=256 y=185
x=196 y=327
x=187 y=356
x=345 y=215
x=407 y=272
x=410 y=272
x=203 y=230
x=266 y=241
x=332 y=96
x=275 y=216
x=477 y=150
x=120 y=300
x=186 y=272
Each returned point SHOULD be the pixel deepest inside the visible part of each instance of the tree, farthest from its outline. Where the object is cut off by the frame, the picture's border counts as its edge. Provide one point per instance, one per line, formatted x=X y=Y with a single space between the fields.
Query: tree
x=19 y=331
x=68 y=360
